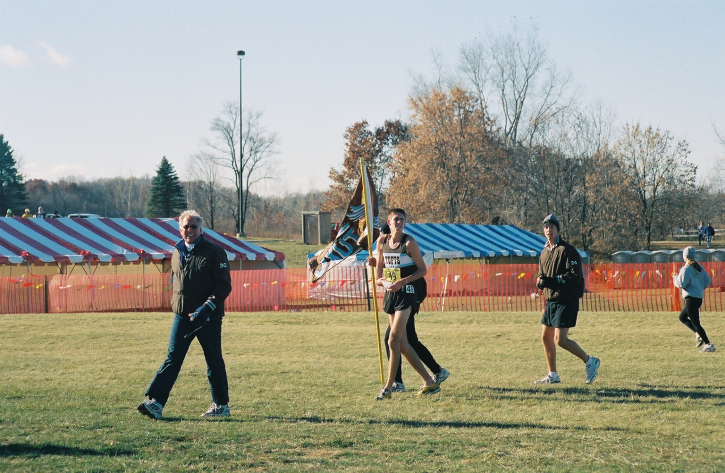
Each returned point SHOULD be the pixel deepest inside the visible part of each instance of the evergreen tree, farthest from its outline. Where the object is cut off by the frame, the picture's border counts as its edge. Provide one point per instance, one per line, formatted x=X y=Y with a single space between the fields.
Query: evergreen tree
x=12 y=187
x=167 y=196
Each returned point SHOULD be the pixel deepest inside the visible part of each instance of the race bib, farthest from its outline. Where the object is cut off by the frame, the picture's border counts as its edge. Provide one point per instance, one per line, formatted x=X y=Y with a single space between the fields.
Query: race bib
x=391 y=274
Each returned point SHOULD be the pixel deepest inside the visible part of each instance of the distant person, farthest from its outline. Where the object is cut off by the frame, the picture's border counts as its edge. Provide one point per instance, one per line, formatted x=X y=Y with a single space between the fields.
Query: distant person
x=400 y=268
x=701 y=231
x=439 y=373
x=27 y=214
x=55 y=214
x=201 y=282
x=40 y=213
x=9 y=213
x=562 y=280
x=709 y=233
x=692 y=280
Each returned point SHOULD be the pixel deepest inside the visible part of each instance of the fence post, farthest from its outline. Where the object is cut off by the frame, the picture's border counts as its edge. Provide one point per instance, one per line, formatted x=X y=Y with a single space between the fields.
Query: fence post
x=676 y=305
x=45 y=292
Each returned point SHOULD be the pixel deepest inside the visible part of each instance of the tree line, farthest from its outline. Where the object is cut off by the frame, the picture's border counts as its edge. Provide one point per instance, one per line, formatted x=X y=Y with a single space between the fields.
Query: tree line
x=163 y=195
x=502 y=137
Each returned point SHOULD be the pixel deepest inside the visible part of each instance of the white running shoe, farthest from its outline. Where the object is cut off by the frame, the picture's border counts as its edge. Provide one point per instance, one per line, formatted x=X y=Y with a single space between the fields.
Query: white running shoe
x=442 y=375
x=708 y=348
x=398 y=388
x=217 y=411
x=551 y=378
x=592 y=367
x=151 y=408
x=384 y=394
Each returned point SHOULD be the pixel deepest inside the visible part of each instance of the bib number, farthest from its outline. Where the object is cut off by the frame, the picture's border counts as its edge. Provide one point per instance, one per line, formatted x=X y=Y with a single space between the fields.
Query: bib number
x=391 y=274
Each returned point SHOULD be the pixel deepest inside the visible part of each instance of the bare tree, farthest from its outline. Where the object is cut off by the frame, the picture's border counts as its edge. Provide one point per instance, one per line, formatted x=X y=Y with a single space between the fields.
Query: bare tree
x=204 y=189
x=256 y=161
x=514 y=82
x=527 y=86
x=656 y=164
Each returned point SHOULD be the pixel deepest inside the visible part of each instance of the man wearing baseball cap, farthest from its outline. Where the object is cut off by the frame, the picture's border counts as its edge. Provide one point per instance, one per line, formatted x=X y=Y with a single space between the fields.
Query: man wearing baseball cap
x=561 y=278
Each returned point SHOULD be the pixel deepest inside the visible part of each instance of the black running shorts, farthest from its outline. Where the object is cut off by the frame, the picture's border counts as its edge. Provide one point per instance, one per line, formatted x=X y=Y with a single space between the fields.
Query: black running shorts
x=399 y=300
x=561 y=314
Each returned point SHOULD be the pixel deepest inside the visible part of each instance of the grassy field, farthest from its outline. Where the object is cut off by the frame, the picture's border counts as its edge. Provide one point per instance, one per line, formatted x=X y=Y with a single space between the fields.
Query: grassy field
x=302 y=389
x=295 y=251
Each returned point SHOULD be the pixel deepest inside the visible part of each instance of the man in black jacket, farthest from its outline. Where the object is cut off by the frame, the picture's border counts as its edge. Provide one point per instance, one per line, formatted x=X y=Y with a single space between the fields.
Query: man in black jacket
x=201 y=282
x=561 y=278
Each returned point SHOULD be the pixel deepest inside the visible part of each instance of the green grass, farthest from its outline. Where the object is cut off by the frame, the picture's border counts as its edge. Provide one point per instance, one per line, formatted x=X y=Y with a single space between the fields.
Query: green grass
x=302 y=388
x=295 y=251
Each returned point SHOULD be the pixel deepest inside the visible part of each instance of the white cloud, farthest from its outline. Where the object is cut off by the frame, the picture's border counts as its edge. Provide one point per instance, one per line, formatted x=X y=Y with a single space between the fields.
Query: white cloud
x=13 y=58
x=60 y=59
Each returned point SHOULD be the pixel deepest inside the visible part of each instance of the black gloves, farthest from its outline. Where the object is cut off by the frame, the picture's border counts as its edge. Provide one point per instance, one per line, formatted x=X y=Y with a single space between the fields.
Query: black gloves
x=546 y=281
x=200 y=317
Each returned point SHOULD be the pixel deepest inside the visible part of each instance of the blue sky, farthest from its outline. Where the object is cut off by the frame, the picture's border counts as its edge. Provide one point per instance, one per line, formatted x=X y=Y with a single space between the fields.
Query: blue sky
x=102 y=88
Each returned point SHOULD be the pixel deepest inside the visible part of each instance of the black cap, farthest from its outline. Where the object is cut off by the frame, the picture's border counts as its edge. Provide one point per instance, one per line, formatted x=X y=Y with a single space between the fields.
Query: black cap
x=552 y=220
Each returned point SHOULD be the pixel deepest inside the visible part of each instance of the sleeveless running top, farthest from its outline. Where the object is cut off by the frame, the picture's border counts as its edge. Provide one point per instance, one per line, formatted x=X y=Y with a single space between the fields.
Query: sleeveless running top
x=397 y=262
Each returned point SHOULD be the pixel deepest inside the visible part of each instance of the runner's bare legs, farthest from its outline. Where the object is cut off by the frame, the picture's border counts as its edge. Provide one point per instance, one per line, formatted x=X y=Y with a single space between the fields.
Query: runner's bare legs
x=398 y=344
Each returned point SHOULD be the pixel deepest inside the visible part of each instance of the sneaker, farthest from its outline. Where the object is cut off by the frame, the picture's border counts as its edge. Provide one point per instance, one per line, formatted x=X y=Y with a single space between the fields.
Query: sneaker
x=551 y=378
x=442 y=375
x=217 y=411
x=384 y=394
x=698 y=340
x=708 y=348
x=432 y=389
x=398 y=388
x=151 y=408
x=592 y=367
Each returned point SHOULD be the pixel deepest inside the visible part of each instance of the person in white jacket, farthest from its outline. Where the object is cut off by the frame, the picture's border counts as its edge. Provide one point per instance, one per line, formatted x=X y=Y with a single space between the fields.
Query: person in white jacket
x=692 y=280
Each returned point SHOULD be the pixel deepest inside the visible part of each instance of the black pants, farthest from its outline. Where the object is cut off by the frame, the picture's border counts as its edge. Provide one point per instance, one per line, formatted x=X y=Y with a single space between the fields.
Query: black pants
x=690 y=316
x=425 y=356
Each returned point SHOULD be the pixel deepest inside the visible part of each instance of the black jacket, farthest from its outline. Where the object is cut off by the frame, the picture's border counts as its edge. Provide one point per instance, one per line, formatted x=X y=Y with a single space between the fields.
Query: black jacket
x=562 y=261
x=205 y=273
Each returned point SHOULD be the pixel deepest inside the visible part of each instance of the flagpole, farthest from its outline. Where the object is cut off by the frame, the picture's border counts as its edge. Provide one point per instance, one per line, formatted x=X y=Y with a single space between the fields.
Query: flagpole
x=369 y=224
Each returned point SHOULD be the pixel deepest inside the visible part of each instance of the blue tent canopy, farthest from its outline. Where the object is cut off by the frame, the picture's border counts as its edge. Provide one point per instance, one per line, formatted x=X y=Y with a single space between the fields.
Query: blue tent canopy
x=459 y=240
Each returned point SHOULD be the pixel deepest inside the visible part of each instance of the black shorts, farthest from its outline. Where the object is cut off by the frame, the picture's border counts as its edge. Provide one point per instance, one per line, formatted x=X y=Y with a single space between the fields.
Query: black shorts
x=560 y=314
x=400 y=300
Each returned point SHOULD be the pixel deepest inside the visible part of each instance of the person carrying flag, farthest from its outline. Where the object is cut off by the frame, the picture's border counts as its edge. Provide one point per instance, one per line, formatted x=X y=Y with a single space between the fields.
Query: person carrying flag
x=400 y=268
x=439 y=373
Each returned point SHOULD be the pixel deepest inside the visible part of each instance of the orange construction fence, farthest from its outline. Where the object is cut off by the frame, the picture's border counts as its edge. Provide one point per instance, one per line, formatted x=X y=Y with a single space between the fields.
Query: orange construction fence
x=461 y=287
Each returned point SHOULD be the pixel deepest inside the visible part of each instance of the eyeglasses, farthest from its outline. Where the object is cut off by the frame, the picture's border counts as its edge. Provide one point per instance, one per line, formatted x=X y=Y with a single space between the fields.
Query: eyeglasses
x=193 y=227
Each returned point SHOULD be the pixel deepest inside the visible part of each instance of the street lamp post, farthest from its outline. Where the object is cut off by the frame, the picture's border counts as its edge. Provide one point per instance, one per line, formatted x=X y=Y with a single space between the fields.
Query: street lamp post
x=240 y=54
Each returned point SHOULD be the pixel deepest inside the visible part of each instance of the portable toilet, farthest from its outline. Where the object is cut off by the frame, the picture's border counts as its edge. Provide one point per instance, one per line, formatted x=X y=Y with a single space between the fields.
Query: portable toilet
x=703 y=256
x=676 y=257
x=717 y=256
x=621 y=257
x=662 y=256
x=642 y=257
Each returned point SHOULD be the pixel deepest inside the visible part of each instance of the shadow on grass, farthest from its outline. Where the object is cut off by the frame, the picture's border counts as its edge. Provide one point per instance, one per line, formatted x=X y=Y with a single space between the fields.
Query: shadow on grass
x=642 y=394
x=424 y=424
x=32 y=451
x=401 y=422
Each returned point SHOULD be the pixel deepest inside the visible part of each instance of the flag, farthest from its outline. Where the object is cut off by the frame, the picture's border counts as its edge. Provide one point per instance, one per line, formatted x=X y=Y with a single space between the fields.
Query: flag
x=352 y=235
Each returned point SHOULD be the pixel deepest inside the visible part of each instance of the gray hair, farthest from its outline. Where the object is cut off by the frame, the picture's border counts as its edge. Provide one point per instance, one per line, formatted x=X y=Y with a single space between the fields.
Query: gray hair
x=191 y=213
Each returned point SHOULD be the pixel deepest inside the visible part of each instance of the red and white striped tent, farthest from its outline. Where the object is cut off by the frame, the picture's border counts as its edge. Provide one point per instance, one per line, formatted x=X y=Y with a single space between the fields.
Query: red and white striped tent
x=112 y=240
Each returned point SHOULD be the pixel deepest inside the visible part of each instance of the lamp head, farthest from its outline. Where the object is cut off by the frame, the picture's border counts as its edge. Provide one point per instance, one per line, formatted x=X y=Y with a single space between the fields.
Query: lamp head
x=240 y=54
